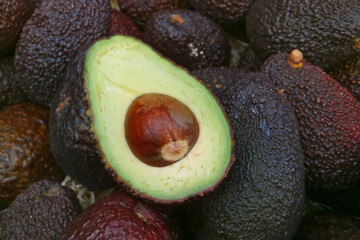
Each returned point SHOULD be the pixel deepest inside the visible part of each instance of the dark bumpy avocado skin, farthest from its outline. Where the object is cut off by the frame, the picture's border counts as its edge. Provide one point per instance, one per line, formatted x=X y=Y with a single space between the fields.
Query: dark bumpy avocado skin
x=263 y=196
x=188 y=38
x=51 y=37
x=24 y=149
x=324 y=30
x=348 y=74
x=223 y=12
x=42 y=211
x=13 y=15
x=218 y=79
x=122 y=24
x=72 y=145
x=329 y=119
x=325 y=225
x=118 y=216
x=10 y=89
x=140 y=11
x=249 y=61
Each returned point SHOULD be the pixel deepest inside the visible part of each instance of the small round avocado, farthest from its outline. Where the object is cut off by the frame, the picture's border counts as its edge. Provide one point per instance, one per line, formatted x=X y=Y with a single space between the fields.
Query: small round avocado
x=24 y=149
x=188 y=128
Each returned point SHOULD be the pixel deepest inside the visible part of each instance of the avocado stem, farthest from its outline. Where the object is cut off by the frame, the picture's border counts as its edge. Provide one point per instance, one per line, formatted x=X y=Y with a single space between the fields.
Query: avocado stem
x=357 y=43
x=176 y=18
x=296 y=59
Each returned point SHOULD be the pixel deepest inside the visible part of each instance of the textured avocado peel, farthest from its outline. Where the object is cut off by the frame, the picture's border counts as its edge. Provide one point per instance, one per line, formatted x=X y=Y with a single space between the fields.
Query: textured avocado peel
x=133 y=60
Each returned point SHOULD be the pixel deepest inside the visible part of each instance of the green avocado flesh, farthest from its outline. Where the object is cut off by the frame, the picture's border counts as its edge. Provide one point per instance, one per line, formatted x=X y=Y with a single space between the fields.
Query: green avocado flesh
x=120 y=69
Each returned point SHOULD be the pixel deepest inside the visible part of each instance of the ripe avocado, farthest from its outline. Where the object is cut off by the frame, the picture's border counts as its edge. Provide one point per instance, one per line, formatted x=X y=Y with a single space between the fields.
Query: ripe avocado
x=329 y=119
x=326 y=31
x=122 y=24
x=42 y=211
x=263 y=196
x=324 y=225
x=13 y=15
x=188 y=38
x=223 y=11
x=140 y=11
x=10 y=89
x=158 y=129
x=117 y=216
x=348 y=74
x=24 y=149
x=249 y=61
x=51 y=37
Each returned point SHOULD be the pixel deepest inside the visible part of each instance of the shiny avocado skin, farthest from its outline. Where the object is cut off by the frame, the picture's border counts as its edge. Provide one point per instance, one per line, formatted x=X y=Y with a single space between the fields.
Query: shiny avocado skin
x=51 y=37
x=329 y=120
x=71 y=143
x=13 y=15
x=324 y=30
x=10 y=89
x=263 y=196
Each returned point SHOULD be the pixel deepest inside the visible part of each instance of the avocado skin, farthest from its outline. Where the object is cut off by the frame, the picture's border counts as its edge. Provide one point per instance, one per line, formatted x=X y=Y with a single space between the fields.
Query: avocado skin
x=24 y=146
x=118 y=216
x=325 y=225
x=13 y=15
x=51 y=37
x=71 y=143
x=122 y=24
x=10 y=89
x=223 y=11
x=218 y=79
x=249 y=61
x=196 y=43
x=329 y=119
x=140 y=11
x=263 y=196
x=42 y=211
x=324 y=30
x=348 y=74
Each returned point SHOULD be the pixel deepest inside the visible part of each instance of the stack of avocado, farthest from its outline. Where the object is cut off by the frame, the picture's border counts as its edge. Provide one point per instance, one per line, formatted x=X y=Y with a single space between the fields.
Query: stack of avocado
x=150 y=102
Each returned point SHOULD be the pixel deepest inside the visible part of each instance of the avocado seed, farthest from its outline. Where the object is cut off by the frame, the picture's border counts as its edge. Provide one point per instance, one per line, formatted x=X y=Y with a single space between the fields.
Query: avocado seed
x=160 y=130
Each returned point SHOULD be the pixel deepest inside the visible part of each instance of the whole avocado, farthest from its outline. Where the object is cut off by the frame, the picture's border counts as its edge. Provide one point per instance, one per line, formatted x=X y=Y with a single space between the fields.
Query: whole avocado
x=13 y=15
x=326 y=31
x=42 y=211
x=263 y=196
x=51 y=37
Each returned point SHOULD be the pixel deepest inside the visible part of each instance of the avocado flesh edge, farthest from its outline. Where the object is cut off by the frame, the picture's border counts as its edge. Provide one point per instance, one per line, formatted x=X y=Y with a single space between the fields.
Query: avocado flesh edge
x=120 y=69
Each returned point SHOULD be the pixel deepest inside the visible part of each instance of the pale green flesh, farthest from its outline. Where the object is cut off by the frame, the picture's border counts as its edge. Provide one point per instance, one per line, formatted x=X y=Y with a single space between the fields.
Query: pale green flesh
x=120 y=69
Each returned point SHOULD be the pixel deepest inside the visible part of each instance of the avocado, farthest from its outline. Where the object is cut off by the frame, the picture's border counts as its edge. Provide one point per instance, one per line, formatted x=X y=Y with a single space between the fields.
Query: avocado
x=223 y=12
x=326 y=31
x=320 y=224
x=118 y=216
x=188 y=38
x=51 y=37
x=13 y=15
x=71 y=143
x=42 y=211
x=10 y=89
x=157 y=128
x=329 y=119
x=263 y=196
x=140 y=11
x=348 y=74
x=249 y=61
x=122 y=24
x=218 y=79
x=24 y=149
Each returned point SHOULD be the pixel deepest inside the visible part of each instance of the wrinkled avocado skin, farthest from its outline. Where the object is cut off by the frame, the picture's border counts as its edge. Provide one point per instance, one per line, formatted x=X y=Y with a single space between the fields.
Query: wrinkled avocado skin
x=10 y=89
x=13 y=15
x=263 y=196
x=42 y=211
x=348 y=74
x=51 y=37
x=324 y=30
x=329 y=119
x=71 y=142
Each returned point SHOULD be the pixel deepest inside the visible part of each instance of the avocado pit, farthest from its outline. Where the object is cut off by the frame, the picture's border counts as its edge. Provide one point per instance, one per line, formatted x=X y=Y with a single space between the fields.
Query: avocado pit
x=159 y=129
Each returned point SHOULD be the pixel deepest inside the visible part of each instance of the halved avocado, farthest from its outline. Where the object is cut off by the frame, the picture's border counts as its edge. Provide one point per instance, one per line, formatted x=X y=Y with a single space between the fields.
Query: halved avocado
x=121 y=70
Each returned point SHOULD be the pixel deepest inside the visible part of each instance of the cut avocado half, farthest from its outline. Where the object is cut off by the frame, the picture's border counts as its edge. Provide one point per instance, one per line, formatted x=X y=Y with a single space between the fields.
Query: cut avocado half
x=121 y=72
